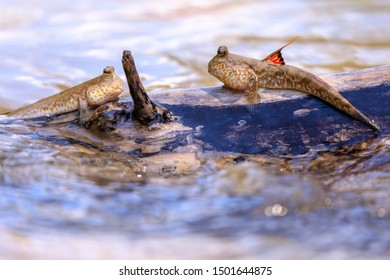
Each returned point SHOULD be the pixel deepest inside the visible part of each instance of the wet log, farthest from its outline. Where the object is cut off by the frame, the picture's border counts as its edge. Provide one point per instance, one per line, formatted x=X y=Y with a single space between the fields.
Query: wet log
x=214 y=126
x=283 y=122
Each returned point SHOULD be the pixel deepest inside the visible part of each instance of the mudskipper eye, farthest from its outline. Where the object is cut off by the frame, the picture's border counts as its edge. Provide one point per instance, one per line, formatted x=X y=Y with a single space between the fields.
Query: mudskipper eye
x=222 y=50
x=108 y=70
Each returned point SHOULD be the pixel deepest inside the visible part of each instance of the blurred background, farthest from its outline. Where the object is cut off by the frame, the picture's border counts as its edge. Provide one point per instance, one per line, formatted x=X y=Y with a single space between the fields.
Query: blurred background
x=46 y=46
x=61 y=198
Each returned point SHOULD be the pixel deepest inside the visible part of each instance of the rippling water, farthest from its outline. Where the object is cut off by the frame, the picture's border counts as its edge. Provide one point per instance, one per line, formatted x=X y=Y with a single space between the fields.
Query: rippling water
x=101 y=203
x=48 y=46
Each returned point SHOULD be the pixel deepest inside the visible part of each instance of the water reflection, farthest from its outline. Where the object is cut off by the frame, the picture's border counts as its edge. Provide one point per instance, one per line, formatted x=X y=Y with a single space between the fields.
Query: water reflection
x=46 y=47
x=64 y=186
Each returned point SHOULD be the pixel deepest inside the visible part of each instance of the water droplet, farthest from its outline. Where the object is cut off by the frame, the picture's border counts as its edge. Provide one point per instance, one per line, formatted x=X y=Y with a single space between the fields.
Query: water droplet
x=276 y=210
x=381 y=212
x=241 y=122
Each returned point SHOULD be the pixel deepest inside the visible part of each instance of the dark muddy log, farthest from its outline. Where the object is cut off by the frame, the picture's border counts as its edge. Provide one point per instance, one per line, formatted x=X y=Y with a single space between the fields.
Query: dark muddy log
x=215 y=126
x=284 y=122
x=144 y=110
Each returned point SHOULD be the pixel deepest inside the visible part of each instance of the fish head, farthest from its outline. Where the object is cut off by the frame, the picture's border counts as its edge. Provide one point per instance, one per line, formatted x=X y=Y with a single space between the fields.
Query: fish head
x=221 y=57
x=108 y=72
x=110 y=78
x=231 y=69
x=220 y=63
x=107 y=89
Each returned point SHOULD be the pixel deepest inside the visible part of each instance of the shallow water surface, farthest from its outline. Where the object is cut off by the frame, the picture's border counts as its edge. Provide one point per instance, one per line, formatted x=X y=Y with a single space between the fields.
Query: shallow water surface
x=87 y=196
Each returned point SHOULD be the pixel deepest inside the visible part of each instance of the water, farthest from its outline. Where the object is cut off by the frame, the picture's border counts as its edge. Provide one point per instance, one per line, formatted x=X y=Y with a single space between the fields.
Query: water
x=61 y=188
x=46 y=46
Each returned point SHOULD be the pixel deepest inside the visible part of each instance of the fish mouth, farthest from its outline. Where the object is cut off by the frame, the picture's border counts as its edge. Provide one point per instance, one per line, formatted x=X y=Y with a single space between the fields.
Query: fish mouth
x=210 y=68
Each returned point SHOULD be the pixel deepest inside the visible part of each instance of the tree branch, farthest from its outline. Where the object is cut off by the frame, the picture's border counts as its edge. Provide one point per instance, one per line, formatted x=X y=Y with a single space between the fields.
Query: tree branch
x=145 y=110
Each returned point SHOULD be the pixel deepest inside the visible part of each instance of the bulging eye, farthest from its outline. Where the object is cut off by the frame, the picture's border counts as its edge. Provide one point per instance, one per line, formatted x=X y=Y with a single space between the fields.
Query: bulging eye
x=108 y=70
x=222 y=50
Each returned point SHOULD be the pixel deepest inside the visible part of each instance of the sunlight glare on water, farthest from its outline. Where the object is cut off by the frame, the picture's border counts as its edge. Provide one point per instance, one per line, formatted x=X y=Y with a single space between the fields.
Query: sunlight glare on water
x=104 y=203
x=47 y=47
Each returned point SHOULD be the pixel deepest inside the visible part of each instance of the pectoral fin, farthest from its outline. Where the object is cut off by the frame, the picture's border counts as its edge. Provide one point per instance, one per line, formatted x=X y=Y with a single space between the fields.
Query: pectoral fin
x=276 y=57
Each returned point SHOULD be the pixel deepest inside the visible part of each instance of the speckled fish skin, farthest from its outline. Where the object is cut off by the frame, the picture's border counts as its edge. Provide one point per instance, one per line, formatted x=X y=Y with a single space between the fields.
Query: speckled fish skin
x=248 y=74
x=91 y=93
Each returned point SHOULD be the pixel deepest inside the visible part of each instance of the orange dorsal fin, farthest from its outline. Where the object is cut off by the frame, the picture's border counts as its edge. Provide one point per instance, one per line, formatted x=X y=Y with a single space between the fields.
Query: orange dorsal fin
x=276 y=57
